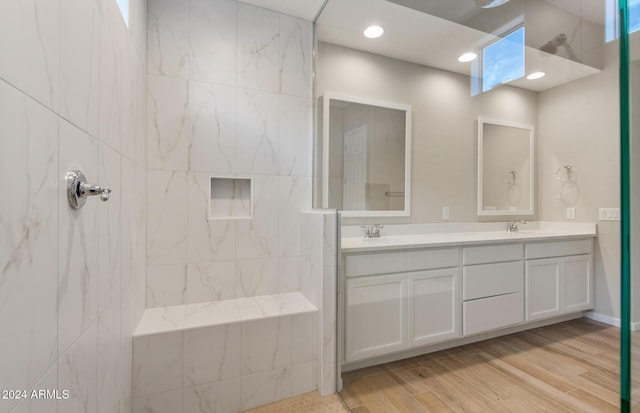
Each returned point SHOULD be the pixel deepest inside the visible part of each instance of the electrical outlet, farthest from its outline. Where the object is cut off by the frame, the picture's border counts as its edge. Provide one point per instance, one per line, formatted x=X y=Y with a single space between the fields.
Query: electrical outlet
x=609 y=214
x=571 y=213
x=445 y=213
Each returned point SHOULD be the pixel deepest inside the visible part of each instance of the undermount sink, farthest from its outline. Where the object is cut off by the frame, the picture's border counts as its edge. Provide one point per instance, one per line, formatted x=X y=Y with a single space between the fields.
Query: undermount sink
x=378 y=240
x=539 y=232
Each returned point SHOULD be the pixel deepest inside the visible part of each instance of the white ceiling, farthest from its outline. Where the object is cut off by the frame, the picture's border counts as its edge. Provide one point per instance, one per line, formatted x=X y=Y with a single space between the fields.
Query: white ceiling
x=428 y=40
x=305 y=9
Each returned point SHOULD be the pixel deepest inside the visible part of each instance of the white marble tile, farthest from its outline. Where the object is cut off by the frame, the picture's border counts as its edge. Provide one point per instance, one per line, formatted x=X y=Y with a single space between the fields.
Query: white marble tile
x=166 y=285
x=139 y=115
x=330 y=240
x=284 y=304
x=78 y=240
x=304 y=339
x=212 y=118
x=249 y=309
x=128 y=324
x=79 y=64
x=157 y=363
x=168 y=38
x=210 y=314
x=295 y=136
x=111 y=83
x=218 y=397
x=161 y=320
x=167 y=124
x=109 y=228
x=211 y=354
x=138 y=235
x=167 y=402
x=212 y=40
x=30 y=31
x=294 y=196
x=327 y=383
x=48 y=382
x=166 y=217
x=256 y=277
x=258 y=48
x=265 y=387
x=257 y=143
x=128 y=232
x=266 y=344
x=28 y=256
x=328 y=327
x=77 y=372
x=296 y=56
x=258 y=237
x=210 y=282
x=109 y=369
x=293 y=273
x=209 y=240
x=138 y=20
x=129 y=112
x=303 y=378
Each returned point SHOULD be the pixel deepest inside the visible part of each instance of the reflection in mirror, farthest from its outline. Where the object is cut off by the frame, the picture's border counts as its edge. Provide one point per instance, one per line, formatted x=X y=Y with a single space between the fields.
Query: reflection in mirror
x=366 y=147
x=505 y=168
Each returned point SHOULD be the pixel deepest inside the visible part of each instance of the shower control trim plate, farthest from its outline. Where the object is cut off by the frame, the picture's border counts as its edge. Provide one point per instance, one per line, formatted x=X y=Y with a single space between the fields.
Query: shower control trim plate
x=78 y=189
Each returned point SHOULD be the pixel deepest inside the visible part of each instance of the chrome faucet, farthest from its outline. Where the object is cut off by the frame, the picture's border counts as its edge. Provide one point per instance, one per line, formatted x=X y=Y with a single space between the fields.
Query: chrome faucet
x=372 y=231
x=513 y=226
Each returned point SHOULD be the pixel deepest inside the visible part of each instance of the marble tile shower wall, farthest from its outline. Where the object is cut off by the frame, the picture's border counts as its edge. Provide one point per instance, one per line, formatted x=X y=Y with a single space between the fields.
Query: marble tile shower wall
x=229 y=94
x=72 y=284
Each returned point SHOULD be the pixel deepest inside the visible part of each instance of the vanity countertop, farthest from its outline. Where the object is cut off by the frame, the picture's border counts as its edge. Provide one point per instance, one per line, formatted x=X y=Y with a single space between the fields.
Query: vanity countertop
x=438 y=239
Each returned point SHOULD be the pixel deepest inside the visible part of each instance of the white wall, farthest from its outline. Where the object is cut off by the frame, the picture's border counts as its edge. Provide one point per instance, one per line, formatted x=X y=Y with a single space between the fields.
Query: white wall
x=444 y=122
x=72 y=95
x=229 y=95
x=579 y=125
x=576 y=124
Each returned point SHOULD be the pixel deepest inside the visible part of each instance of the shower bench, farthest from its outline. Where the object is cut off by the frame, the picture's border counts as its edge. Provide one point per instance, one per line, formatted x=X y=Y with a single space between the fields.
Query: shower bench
x=228 y=355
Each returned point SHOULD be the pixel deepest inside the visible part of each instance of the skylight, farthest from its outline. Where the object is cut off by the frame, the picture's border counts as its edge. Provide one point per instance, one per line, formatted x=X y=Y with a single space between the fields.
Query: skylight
x=123 y=5
x=503 y=60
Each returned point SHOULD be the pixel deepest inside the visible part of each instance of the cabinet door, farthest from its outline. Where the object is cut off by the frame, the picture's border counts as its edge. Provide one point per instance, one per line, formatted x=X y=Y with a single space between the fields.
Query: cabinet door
x=376 y=316
x=543 y=288
x=577 y=282
x=434 y=306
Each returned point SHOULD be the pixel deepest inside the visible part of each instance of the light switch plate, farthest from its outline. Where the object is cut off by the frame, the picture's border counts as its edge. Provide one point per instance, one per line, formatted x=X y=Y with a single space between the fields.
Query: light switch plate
x=609 y=214
x=445 y=213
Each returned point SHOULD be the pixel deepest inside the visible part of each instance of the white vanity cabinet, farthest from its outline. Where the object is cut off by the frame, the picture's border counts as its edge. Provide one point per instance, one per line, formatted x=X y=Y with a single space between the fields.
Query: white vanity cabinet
x=493 y=287
x=376 y=315
x=411 y=294
x=559 y=278
x=400 y=300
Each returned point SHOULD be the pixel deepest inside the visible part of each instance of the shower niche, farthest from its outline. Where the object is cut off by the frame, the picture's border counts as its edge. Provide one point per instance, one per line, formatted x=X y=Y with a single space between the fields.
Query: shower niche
x=230 y=198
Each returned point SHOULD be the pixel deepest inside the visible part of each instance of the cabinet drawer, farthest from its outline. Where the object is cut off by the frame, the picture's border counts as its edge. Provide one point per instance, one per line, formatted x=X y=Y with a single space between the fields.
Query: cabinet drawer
x=558 y=249
x=378 y=263
x=492 y=279
x=491 y=253
x=432 y=259
x=394 y=262
x=494 y=312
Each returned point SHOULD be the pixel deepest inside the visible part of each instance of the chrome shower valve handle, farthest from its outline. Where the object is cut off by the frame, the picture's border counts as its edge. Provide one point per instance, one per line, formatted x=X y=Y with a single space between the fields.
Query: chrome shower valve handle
x=78 y=189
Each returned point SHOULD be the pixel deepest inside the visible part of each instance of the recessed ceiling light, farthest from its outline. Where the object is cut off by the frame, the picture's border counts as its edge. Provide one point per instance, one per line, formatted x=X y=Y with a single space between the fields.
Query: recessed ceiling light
x=467 y=57
x=373 y=31
x=536 y=75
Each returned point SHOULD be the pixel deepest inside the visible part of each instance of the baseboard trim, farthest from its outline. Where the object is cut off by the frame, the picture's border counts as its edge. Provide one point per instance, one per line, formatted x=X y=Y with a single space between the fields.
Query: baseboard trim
x=612 y=321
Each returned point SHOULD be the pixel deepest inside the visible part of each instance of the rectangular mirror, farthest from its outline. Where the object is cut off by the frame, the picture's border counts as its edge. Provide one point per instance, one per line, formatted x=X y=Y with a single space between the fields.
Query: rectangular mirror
x=505 y=168
x=366 y=156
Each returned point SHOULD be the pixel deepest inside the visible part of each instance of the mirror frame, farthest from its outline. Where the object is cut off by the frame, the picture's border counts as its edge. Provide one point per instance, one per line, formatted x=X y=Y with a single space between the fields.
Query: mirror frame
x=502 y=212
x=326 y=104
